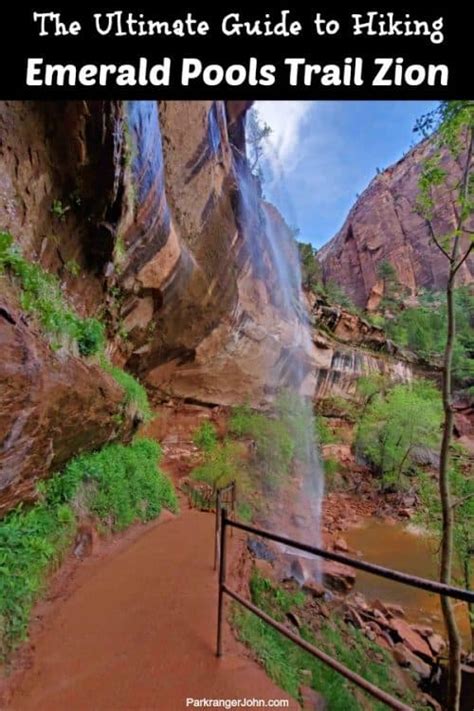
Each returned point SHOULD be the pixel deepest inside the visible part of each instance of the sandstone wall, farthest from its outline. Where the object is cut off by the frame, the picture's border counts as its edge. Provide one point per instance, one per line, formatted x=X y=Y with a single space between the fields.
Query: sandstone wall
x=383 y=225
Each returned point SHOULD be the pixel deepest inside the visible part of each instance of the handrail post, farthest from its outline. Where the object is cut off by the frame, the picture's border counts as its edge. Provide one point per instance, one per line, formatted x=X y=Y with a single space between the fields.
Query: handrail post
x=216 y=531
x=222 y=571
x=232 y=504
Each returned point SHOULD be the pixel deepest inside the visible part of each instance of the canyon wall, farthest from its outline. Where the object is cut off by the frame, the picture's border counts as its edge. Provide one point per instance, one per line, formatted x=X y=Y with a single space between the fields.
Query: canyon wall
x=383 y=225
x=150 y=219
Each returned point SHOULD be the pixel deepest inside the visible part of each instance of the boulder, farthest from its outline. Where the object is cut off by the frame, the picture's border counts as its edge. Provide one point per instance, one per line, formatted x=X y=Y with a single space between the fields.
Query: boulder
x=406 y=658
x=314 y=589
x=411 y=639
x=437 y=643
x=337 y=576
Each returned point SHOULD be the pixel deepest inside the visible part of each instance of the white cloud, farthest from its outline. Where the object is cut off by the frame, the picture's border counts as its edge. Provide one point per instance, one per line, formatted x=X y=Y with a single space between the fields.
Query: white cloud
x=287 y=120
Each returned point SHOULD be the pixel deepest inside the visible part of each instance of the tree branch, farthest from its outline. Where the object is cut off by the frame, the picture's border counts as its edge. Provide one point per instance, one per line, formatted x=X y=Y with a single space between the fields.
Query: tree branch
x=463 y=259
x=462 y=500
x=435 y=240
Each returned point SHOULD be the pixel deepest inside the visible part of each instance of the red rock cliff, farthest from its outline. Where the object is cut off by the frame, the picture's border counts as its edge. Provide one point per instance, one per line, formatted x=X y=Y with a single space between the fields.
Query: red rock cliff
x=383 y=225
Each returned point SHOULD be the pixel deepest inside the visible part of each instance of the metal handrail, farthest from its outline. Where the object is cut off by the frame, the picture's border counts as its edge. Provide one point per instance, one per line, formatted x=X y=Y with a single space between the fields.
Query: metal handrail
x=220 y=494
x=381 y=571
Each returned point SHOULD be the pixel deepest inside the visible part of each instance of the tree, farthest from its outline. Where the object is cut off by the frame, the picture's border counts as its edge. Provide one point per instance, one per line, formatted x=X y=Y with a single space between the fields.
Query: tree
x=454 y=123
x=311 y=271
x=462 y=489
x=256 y=133
x=394 y=424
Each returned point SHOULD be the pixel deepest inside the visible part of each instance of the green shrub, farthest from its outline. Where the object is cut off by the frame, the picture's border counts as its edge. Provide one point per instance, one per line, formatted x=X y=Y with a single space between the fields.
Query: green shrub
x=422 y=329
x=220 y=466
x=324 y=433
x=90 y=336
x=205 y=437
x=135 y=394
x=118 y=484
x=394 y=423
x=41 y=295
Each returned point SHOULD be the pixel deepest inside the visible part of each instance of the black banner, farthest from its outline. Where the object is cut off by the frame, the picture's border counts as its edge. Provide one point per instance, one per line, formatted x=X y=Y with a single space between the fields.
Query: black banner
x=185 y=51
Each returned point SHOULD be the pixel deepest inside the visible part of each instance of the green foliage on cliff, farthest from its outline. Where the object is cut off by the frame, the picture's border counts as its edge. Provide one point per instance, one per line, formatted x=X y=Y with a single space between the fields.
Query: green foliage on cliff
x=135 y=394
x=205 y=437
x=396 y=422
x=284 y=661
x=423 y=329
x=117 y=486
x=41 y=295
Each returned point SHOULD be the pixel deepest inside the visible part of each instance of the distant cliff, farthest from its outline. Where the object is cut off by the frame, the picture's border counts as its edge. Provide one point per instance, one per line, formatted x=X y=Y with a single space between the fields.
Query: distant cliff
x=383 y=225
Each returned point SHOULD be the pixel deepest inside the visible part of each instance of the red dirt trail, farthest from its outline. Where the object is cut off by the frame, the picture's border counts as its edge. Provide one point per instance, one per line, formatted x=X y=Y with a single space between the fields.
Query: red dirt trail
x=138 y=632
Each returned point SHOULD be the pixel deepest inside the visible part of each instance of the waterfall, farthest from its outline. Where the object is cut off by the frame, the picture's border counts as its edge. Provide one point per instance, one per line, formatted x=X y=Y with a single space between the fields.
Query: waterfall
x=275 y=260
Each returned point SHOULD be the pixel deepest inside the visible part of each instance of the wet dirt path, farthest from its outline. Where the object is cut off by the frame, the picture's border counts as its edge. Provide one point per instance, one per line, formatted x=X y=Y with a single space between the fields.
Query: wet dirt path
x=138 y=632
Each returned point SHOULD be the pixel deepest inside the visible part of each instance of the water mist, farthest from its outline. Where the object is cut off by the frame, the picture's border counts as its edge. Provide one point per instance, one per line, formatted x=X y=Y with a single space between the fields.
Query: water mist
x=275 y=260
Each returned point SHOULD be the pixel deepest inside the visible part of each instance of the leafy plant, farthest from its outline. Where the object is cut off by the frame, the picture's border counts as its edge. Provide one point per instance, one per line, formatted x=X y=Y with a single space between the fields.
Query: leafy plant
x=60 y=210
x=72 y=267
x=394 y=424
x=205 y=437
x=324 y=433
x=41 y=295
x=118 y=484
x=135 y=395
x=221 y=466
x=422 y=329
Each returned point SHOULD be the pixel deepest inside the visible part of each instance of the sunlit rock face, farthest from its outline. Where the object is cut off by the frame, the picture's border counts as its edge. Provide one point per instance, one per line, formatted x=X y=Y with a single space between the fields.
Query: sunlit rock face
x=193 y=274
x=348 y=347
x=211 y=262
x=384 y=225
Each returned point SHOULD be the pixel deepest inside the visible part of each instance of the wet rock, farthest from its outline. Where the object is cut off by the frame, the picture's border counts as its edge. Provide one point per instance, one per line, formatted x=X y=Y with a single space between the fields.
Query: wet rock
x=314 y=589
x=384 y=640
x=340 y=545
x=381 y=618
x=423 y=630
x=260 y=549
x=298 y=570
x=411 y=639
x=405 y=658
x=353 y=616
x=298 y=520
x=395 y=610
x=338 y=577
x=312 y=700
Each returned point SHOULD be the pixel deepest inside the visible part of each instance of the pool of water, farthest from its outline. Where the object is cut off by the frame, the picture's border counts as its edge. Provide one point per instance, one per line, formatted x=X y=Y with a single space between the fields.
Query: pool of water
x=407 y=549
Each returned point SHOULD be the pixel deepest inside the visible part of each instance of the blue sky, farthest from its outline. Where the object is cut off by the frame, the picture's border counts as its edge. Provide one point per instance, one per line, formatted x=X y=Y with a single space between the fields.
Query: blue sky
x=321 y=154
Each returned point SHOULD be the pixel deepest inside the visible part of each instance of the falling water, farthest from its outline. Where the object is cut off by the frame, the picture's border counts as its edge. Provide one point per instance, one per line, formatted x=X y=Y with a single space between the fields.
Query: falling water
x=275 y=260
